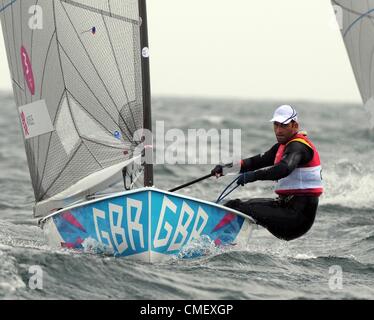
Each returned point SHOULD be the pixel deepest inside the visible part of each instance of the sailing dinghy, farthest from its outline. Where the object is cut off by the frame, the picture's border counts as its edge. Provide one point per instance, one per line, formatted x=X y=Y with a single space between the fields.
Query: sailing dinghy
x=80 y=75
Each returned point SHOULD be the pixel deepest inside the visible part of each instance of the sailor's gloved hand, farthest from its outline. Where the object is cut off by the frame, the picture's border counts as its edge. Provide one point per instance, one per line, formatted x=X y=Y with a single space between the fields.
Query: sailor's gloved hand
x=246 y=178
x=217 y=171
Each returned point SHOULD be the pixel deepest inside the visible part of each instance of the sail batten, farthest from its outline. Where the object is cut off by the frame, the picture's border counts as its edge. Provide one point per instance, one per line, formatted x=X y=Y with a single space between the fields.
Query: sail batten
x=82 y=59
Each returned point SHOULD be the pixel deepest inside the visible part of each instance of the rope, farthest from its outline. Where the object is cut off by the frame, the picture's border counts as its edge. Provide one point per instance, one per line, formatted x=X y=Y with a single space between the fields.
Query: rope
x=223 y=195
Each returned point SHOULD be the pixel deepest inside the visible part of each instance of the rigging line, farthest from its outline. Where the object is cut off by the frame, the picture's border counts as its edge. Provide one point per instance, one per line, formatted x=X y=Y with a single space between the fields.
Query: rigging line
x=49 y=145
x=223 y=196
x=93 y=65
x=119 y=71
x=97 y=99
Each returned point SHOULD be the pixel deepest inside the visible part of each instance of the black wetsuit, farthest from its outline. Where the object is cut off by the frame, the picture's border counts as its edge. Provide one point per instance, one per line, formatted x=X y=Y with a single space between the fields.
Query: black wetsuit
x=287 y=217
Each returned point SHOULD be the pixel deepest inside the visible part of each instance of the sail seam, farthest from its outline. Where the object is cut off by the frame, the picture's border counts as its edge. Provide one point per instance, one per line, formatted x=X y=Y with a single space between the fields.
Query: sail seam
x=7 y=39
x=15 y=53
x=102 y=12
x=63 y=169
x=350 y=10
x=7 y=5
x=46 y=61
x=103 y=144
x=22 y=75
x=59 y=104
x=78 y=132
x=17 y=84
x=31 y=142
x=47 y=153
x=92 y=117
x=110 y=9
x=37 y=140
x=32 y=42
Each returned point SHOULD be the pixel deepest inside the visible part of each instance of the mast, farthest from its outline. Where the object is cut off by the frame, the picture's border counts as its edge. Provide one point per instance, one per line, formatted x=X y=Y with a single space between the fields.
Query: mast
x=146 y=87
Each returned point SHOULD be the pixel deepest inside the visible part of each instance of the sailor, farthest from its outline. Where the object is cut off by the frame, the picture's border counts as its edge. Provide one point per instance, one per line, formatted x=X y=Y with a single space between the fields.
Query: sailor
x=295 y=164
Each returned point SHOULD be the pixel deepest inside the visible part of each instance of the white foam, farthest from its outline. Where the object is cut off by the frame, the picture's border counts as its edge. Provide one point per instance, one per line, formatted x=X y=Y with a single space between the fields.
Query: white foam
x=10 y=280
x=305 y=256
x=348 y=185
x=214 y=119
x=91 y=245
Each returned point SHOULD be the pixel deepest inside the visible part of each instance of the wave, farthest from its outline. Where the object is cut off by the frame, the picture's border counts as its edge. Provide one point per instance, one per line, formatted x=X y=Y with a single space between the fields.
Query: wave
x=349 y=185
x=10 y=279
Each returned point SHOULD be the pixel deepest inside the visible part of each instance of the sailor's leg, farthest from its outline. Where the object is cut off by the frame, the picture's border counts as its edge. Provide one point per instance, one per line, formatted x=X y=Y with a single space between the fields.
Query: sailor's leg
x=286 y=222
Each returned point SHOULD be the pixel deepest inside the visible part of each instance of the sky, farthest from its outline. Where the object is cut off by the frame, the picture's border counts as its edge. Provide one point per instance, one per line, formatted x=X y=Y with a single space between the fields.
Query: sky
x=246 y=49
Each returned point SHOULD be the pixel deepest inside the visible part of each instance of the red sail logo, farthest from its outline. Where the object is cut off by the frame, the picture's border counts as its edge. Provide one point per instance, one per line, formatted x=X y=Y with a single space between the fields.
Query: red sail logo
x=27 y=70
x=24 y=124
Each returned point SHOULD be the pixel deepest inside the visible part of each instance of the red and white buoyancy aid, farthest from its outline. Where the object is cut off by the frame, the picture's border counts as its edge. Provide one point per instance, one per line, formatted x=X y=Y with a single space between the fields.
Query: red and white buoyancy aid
x=306 y=179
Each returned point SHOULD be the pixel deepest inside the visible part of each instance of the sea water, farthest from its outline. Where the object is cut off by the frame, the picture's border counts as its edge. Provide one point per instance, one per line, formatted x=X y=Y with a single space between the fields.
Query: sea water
x=334 y=260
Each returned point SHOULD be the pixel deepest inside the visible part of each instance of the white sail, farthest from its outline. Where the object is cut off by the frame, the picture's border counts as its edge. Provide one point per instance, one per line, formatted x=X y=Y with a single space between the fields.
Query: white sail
x=356 y=21
x=76 y=69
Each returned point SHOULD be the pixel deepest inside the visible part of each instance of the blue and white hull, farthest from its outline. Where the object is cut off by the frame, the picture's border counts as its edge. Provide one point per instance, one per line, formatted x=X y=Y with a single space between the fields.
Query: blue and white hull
x=147 y=224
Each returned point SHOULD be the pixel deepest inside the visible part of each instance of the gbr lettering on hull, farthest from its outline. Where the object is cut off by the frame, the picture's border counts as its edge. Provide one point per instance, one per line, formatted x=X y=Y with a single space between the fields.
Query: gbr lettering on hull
x=115 y=236
x=117 y=230
x=181 y=227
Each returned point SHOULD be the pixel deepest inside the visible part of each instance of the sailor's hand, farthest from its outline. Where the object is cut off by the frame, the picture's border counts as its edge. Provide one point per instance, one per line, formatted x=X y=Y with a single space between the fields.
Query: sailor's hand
x=246 y=178
x=217 y=171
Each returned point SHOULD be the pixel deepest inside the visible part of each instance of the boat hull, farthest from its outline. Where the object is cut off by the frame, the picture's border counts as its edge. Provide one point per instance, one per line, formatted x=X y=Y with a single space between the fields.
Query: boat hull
x=147 y=224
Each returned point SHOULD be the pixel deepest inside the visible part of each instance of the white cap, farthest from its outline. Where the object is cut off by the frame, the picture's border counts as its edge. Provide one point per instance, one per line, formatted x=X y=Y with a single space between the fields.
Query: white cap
x=284 y=114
